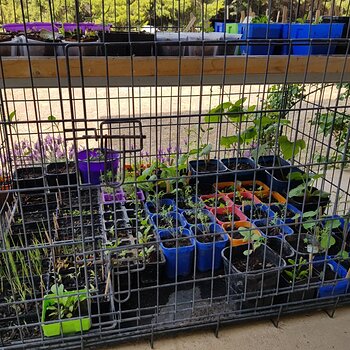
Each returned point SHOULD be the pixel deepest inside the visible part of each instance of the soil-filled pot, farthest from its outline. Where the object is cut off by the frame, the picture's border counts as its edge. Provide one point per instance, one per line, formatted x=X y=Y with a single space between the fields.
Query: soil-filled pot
x=128 y=44
x=113 y=194
x=210 y=240
x=341 y=48
x=297 y=242
x=86 y=47
x=297 y=290
x=277 y=178
x=228 y=215
x=256 y=31
x=193 y=217
x=170 y=44
x=287 y=213
x=311 y=203
x=276 y=229
x=37 y=46
x=241 y=168
x=94 y=162
x=28 y=177
x=178 y=248
x=234 y=234
x=330 y=271
x=206 y=171
x=308 y=31
x=170 y=221
x=154 y=267
x=257 y=212
x=280 y=247
x=61 y=174
x=216 y=201
x=6 y=47
x=256 y=273
x=79 y=323
x=162 y=205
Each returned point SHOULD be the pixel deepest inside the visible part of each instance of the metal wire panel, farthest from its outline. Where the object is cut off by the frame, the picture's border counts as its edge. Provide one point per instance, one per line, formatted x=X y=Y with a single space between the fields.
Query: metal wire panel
x=144 y=194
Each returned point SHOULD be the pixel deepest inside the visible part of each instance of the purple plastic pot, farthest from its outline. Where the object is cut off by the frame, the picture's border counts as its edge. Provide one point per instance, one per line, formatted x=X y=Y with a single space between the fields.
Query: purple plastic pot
x=32 y=26
x=86 y=26
x=140 y=195
x=95 y=168
x=37 y=26
x=118 y=195
x=14 y=27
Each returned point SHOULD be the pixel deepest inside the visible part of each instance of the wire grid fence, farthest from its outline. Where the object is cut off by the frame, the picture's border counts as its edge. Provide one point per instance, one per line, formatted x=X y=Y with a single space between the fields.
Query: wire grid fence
x=133 y=210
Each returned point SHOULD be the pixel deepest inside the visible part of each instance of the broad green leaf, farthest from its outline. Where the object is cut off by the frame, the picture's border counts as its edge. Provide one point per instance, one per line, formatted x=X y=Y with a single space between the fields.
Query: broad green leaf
x=206 y=150
x=327 y=241
x=290 y=149
x=296 y=176
x=310 y=214
x=308 y=225
x=240 y=102
x=213 y=118
x=248 y=135
x=12 y=116
x=248 y=252
x=51 y=118
x=228 y=141
x=297 y=192
x=343 y=254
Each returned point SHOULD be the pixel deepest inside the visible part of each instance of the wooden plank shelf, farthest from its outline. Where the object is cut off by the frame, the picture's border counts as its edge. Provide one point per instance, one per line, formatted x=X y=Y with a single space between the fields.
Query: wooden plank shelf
x=166 y=71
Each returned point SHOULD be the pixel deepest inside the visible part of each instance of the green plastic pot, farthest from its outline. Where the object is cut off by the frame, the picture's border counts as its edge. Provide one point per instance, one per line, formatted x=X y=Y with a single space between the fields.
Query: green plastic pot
x=68 y=326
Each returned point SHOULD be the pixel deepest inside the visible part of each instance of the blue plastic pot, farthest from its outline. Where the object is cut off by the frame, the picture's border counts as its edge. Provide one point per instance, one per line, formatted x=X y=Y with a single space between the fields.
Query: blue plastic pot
x=292 y=209
x=205 y=251
x=336 y=287
x=286 y=230
x=321 y=31
x=263 y=207
x=195 y=200
x=179 y=261
x=251 y=31
x=178 y=220
x=161 y=202
x=205 y=211
x=234 y=174
x=276 y=184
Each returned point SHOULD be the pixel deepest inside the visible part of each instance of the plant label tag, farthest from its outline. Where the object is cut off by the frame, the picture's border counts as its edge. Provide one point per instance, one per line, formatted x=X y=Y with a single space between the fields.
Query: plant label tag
x=312 y=249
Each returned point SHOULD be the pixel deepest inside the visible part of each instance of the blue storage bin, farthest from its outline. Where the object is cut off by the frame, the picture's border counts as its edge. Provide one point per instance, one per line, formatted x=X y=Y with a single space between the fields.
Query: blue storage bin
x=286 y=230
x=179 y=261
x=253 y=31
x=205 y=251
x=314 y=31
x=219 y=27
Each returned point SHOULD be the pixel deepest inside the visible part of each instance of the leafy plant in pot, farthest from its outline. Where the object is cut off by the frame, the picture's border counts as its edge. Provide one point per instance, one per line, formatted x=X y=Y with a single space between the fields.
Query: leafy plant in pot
x=94 y=162
x=87 y=40
x=178 y=248
x=306 y=197
x=150 y=253
x=69 y=309
x=210 y=239
x=252 y=269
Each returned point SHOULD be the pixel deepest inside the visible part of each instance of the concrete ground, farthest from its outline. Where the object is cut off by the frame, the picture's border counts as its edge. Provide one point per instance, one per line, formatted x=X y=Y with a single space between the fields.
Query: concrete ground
x=304 y=331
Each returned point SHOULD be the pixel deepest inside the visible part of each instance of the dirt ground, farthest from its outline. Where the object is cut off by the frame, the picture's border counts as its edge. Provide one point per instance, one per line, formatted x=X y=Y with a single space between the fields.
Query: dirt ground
x=313 y=331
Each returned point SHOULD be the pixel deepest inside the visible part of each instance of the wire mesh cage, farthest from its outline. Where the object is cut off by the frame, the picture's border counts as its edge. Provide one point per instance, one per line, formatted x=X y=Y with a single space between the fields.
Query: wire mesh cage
x=170 y=165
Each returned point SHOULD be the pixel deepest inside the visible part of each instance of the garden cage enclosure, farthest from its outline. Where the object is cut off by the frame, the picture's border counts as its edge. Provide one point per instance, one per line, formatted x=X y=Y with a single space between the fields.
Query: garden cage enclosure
x=170 y=165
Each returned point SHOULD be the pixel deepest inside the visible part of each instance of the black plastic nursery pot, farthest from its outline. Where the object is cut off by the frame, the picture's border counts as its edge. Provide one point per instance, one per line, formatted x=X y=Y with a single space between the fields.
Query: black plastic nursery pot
x=340 y=49
x=241 y=168
x=26 y=178
x=260 y=279
x=206 y=171
x=61 y=174
x=280 y=247
x=126 y=44
x=310 y=203
x=277 y=178
x=154 y=268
